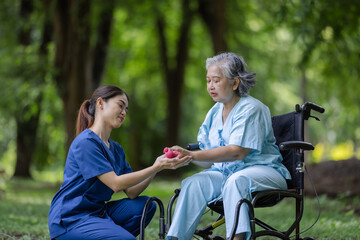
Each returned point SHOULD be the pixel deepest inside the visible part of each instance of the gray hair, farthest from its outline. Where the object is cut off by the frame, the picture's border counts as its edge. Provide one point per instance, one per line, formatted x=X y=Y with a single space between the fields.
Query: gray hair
x=233 y=66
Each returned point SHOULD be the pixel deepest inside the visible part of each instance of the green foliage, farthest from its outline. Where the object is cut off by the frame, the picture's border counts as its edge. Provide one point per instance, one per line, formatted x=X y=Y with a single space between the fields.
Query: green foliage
x=267 y=47
x=327 y=33
x=281 y=41
x=27 y=89
x=51 y=135
x=134 y=65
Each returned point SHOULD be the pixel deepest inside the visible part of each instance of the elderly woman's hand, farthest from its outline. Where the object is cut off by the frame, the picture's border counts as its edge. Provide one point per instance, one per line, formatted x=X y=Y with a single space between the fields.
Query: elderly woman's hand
x=183 y=152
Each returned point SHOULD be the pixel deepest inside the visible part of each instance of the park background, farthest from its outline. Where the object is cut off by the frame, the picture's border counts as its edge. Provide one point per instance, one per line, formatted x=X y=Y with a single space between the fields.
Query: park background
x=53 y=54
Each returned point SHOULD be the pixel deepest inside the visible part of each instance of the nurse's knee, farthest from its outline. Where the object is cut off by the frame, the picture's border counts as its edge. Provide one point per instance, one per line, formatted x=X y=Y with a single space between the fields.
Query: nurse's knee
x=123 y=236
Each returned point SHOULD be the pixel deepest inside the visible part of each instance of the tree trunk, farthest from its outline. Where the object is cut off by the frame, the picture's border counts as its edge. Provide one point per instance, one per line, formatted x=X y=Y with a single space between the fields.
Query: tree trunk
x=72 y=34
x=79 y=67
x=26 y=126
x=25 y=143
x=213 y=14
x=174 y=77
x=103 y=40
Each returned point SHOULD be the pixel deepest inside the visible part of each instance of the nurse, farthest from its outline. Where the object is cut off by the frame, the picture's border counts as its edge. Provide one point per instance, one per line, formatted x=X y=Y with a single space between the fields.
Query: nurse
x=237 y=139
x=96 y=168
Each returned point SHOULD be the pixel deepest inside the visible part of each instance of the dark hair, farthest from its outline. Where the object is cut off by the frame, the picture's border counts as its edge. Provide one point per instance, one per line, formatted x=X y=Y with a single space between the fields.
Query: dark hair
x=86 y=115
x=233 y=66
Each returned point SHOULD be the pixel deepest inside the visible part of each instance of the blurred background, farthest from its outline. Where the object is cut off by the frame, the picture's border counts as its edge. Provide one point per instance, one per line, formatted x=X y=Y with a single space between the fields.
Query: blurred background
x=53 y=54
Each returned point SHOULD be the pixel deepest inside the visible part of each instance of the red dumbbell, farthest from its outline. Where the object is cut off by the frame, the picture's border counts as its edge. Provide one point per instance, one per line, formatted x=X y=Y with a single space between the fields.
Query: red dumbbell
x=169 y=153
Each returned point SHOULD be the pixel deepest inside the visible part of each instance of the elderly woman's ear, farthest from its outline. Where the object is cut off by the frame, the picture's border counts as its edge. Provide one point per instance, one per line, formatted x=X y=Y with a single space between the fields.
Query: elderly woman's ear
x=236 y=83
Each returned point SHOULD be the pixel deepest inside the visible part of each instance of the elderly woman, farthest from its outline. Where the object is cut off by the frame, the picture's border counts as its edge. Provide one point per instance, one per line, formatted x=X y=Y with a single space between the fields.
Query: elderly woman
x=95 y=168
x=238 y=139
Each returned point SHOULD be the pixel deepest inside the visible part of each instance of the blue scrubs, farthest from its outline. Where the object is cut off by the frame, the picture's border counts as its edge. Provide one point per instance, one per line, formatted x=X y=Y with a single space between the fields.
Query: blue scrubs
x=248 y=125
x=80 y=209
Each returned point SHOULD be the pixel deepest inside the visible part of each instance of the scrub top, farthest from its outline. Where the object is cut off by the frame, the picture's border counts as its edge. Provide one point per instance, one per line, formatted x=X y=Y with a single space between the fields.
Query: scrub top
x=248 y=125
x=82 y=195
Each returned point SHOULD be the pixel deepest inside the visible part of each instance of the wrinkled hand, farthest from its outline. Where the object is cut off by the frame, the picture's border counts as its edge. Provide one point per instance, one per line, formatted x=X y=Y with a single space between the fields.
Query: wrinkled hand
x=163 y=162
x=183 y=152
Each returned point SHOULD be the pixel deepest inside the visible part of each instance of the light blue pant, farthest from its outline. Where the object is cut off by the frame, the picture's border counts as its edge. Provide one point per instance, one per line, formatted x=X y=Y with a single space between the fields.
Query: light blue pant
x=200 y=189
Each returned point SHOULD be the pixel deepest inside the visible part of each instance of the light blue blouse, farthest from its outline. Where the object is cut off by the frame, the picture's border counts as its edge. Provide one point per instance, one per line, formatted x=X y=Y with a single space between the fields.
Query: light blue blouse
x=249 y=126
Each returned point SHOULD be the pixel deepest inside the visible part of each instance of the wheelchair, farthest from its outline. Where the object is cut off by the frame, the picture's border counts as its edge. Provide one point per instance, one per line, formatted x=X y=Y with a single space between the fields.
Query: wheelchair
x=289 y=133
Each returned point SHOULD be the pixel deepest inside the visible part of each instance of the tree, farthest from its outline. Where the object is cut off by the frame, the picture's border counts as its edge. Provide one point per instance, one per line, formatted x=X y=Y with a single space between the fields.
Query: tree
x=328 y=34
x=158 y=50
x=174 y=73
x=79 y=61
x=27 y=119
x=213 y=13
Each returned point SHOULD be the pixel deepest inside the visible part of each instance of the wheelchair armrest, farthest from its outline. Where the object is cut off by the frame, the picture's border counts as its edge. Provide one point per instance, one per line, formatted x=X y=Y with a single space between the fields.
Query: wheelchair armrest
x=193 y=146
x=283 y=146
x=296 y=144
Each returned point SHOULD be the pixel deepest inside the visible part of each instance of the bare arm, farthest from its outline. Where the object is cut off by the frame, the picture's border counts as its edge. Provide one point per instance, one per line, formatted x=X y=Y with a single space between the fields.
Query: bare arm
x=134 y=191
x=125 y=181
x=136 y=182
x=220 y=154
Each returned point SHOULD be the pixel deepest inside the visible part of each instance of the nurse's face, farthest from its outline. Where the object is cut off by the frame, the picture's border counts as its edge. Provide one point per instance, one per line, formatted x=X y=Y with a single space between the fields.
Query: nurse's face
x=114 y=111
x=218 y=86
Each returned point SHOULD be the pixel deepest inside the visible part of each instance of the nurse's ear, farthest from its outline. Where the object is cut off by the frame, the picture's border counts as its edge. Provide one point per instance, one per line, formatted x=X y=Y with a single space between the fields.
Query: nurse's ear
x=100 y=103
x=236 y=83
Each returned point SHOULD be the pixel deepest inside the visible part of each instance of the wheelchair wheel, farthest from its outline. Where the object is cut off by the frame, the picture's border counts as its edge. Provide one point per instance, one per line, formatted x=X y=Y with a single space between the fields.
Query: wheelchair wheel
x=308 y=238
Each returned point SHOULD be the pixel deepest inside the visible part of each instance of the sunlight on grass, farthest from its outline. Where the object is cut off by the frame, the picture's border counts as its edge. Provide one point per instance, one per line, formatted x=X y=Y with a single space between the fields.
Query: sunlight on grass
x=25 y=204
x=341 y=151
x=7 y=161
x=52 y=176
x=24 y=209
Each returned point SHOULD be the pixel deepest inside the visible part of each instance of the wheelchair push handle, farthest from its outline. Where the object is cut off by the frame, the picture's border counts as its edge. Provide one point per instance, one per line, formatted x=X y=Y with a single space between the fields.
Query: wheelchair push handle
x=312 y=106
x=306 y=109
x=193 y=146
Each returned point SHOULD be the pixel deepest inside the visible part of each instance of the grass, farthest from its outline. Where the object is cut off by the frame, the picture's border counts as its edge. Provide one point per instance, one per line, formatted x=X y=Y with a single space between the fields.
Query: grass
x=24 y=207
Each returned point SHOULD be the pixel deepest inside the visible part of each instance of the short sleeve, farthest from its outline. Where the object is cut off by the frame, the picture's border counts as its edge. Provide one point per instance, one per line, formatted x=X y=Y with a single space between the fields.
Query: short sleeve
x=91 y=158
x=203 y=137
x=204 y=131
x=248 y=129
x=122 y=166
x=126 y=168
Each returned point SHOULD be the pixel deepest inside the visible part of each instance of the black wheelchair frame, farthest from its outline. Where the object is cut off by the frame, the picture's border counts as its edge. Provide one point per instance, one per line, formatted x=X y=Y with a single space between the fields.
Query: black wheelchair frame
x=289 y=134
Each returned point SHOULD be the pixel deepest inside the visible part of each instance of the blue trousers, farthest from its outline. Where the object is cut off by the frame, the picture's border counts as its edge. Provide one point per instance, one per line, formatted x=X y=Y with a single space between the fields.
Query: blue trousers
x=204 y=187
x=120 y=222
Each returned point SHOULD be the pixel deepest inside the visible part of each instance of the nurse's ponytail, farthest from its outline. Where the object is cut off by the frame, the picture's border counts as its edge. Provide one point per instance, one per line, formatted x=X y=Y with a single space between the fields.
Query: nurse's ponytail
x=86 y=115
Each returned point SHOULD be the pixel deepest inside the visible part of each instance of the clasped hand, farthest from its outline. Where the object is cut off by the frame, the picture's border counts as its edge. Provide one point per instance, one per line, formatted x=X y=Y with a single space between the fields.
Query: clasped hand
x=163 y=162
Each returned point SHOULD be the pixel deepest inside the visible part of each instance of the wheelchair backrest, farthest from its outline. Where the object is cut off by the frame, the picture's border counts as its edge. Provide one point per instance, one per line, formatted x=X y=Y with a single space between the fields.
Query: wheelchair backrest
x=290 y=127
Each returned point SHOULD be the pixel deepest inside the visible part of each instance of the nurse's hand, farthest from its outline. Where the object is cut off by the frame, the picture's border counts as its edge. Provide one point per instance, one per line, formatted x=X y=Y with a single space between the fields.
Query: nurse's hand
x=162 y=162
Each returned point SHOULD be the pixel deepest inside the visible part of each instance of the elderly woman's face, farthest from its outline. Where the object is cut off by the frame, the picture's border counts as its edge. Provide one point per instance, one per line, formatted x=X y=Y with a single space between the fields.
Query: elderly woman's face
x=218 y=86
